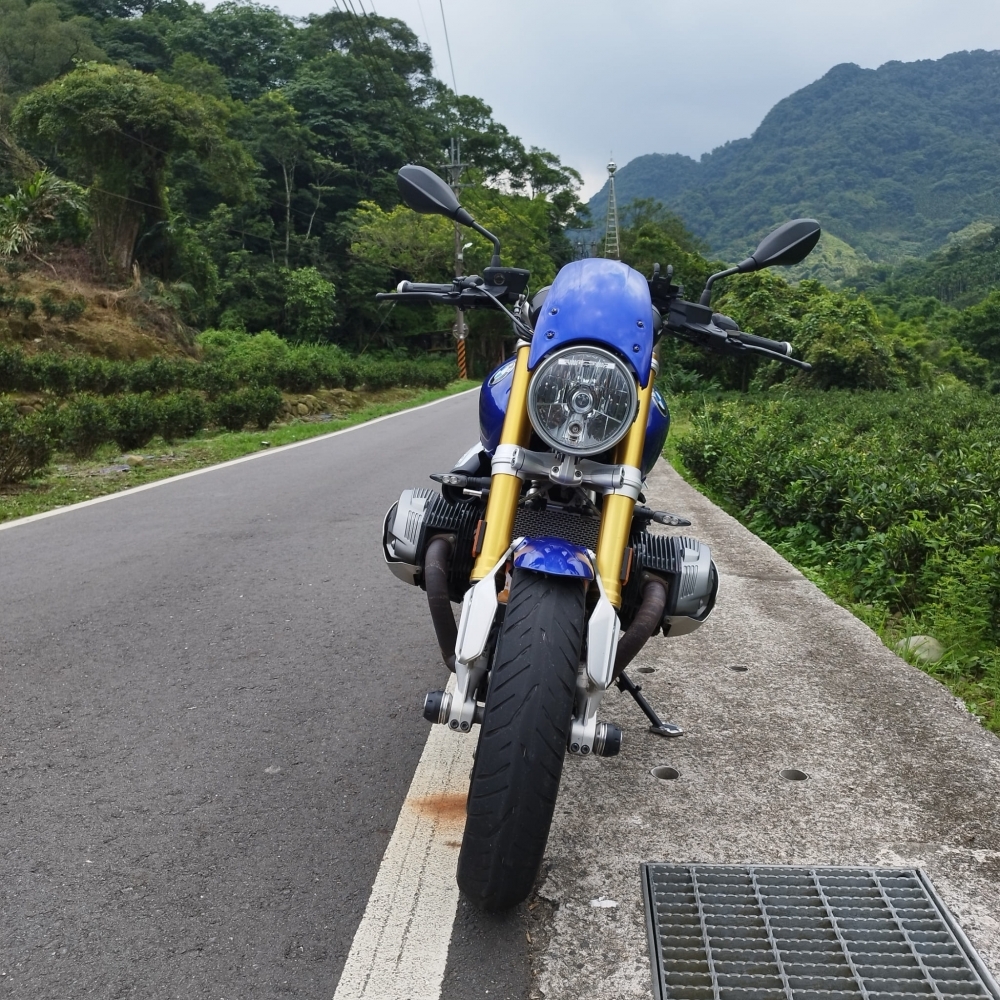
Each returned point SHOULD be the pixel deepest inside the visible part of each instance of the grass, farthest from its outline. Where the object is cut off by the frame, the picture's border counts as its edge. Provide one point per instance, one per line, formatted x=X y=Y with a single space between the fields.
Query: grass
x=69 y=481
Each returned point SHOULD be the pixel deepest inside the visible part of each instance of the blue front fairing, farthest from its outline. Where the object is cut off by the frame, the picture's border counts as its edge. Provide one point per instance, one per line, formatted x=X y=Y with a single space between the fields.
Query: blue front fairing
x=601 y=302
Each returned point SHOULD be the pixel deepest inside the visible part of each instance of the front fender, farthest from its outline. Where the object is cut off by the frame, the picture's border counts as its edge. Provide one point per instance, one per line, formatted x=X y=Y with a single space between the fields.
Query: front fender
x=554 y=557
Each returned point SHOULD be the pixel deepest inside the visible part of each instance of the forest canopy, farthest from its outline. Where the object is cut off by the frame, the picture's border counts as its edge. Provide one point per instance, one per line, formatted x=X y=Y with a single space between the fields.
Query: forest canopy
x=248 y=159
x=240 y=166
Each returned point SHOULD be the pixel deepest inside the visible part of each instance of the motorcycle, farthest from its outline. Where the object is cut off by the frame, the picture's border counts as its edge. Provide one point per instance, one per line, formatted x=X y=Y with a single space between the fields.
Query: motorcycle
x=541 y=532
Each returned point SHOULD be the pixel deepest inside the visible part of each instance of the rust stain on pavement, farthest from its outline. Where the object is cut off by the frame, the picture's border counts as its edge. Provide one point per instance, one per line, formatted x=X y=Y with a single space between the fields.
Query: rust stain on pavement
x=448 y=807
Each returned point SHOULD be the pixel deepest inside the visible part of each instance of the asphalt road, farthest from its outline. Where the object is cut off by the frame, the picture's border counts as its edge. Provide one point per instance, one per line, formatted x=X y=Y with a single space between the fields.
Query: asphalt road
x=210 y=695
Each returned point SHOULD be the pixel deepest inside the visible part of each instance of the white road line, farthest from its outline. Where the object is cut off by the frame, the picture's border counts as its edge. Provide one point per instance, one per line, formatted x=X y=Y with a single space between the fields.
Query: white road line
x=401 y=945
x=225 y=465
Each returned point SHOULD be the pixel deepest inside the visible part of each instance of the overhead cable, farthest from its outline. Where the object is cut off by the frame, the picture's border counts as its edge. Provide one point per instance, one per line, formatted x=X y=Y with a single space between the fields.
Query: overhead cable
x=448 y=44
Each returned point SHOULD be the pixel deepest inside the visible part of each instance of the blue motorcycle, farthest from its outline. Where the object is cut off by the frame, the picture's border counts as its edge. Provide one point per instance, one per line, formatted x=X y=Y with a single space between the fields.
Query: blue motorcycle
x=540 y=531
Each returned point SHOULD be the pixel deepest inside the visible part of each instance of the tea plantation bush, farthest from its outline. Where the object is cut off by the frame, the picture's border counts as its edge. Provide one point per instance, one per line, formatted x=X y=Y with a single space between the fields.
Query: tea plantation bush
x=25 y=445
x=237 y=384
x=85 y=423
x=231 y=359
x=182 y=415
x=254 y=405
x=890 y=499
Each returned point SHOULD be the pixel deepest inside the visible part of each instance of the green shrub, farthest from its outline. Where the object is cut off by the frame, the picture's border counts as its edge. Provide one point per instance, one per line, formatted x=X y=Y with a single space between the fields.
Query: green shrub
x=49 y=306
x=386 y=373
x=73 y=309
x=232 y=359
x=25 y=445
x=156 y=375
x=86 y=423
x=252 y=405
x=135 y=420
x=25 y=306
x=182 y=415
x=309 y=303
x=13 y=369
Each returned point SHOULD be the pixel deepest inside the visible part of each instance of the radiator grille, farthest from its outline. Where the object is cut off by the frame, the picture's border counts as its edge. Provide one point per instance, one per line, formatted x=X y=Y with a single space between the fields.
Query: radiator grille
x=719 y=932
x=576 y=528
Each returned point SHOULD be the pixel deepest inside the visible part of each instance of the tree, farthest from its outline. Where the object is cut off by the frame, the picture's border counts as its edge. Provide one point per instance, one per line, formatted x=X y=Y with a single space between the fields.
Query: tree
x=979 y=327
x=309 y=305
x=281 y=142
x=37 y=45
x=116 y=129
x=250 y=43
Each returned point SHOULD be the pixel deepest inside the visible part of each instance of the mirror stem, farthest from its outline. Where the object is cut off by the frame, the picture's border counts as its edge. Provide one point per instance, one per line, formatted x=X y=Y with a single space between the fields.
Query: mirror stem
x=706 y=295
x=495 y=262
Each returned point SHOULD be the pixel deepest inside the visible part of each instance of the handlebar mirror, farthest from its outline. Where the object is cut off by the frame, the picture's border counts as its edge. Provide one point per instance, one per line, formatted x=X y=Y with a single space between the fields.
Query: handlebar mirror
x=788 y=244
x=423 y=191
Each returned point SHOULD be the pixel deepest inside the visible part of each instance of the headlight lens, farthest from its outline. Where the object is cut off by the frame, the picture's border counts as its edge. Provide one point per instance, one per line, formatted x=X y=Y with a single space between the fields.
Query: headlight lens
x=582 y=400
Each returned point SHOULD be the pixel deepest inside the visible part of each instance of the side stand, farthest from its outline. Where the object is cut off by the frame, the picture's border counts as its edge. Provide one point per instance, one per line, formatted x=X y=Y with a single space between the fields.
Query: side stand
x=658 y=727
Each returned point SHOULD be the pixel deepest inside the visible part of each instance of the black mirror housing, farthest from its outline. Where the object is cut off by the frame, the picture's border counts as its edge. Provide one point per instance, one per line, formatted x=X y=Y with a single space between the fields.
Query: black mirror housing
x=789 y=244
x=423 y=191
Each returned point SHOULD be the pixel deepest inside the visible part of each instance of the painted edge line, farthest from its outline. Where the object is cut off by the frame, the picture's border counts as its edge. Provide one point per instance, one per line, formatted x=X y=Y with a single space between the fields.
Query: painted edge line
x=131 y=491
x=400 y=947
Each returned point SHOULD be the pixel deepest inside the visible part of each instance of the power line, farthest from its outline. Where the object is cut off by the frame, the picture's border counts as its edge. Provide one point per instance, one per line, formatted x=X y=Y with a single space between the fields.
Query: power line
x=448 y=44
x=423 y=21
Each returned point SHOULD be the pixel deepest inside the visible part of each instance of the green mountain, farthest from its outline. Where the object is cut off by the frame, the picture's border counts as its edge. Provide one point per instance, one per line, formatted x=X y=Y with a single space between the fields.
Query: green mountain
x=891 y=161
x=961 y=273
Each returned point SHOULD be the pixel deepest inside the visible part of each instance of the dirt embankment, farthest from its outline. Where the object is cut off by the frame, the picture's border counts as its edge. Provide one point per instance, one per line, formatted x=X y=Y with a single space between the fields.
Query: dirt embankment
x=60 y=305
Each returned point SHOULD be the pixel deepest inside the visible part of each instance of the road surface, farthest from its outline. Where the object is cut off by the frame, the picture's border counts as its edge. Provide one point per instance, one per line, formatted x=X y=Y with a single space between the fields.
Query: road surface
x=211 y=699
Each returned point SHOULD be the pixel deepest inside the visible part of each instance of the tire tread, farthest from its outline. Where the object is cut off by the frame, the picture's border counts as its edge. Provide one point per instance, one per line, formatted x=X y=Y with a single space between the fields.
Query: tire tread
x=522 y=740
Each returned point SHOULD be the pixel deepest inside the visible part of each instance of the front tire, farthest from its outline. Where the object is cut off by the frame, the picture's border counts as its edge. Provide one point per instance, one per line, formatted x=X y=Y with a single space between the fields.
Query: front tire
x=522 y=741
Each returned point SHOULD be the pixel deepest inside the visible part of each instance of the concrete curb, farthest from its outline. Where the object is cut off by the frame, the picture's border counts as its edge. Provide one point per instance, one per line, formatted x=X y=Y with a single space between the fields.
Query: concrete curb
x=899 y=772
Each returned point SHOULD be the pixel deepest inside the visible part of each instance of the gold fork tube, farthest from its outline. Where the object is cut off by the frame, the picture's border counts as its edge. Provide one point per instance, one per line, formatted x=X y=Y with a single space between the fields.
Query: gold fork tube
x=616 y=518
x=501 y=508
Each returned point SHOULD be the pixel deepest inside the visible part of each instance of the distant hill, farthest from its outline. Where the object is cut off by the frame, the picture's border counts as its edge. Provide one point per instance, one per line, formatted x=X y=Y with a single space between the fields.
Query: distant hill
x=891 y=161
x=960 y=274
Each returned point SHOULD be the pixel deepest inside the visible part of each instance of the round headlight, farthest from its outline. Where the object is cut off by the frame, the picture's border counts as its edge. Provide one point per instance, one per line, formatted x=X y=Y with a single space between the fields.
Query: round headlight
x=582 y=400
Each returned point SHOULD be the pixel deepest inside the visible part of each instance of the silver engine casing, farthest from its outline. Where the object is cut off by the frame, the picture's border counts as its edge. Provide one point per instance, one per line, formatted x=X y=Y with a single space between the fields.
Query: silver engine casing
x=401 y=533
x=693 y=596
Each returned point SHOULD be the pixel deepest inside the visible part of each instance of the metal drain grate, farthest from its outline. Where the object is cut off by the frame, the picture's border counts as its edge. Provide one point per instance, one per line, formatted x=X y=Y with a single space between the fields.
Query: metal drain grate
x=731 y=932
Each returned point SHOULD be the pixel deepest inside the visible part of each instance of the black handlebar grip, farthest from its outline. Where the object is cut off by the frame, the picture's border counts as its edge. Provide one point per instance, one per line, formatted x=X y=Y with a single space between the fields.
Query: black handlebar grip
x=778 y=346
x=420 y=286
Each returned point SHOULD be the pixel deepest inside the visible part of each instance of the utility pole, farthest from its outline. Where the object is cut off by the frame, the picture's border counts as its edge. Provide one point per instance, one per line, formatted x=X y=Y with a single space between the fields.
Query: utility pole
x=454 y=168
x=612 y=246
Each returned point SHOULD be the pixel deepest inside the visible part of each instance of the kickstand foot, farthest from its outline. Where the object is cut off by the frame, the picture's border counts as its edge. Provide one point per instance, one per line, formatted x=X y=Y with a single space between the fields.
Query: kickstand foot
x=658 y=727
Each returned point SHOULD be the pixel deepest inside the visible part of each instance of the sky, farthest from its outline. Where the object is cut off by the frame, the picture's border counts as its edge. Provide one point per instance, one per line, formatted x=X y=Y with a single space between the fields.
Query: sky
x=587 y=78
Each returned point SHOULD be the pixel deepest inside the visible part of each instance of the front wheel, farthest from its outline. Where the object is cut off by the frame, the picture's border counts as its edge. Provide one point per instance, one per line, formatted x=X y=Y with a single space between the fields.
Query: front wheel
x=522 y=741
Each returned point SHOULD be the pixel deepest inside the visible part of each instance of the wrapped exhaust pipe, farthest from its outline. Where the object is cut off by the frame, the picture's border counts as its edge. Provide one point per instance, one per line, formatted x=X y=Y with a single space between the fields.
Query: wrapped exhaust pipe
x=647 y=620
x=436 y=584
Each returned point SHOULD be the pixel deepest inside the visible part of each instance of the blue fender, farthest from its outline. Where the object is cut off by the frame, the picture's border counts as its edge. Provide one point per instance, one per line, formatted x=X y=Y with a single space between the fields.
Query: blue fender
x=553 y=557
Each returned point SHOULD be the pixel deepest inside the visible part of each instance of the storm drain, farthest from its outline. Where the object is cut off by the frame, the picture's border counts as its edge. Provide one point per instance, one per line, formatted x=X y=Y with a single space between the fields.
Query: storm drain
x=729 y=932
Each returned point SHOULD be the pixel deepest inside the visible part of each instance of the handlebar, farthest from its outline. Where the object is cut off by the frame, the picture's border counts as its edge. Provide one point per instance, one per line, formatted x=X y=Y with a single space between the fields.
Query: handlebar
x=777 y=346
x=699 y=325
x=498 y=285
x=423 y=286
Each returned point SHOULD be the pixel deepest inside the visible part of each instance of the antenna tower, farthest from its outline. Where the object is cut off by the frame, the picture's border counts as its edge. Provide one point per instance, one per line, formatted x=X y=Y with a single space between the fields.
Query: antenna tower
x=612 y=247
